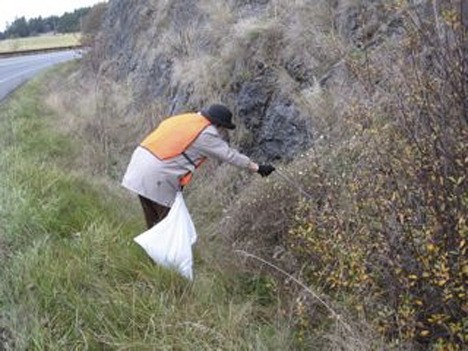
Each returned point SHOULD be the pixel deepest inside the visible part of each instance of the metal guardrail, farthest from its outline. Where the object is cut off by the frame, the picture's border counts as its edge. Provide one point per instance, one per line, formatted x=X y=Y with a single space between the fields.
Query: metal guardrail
x=39 y=51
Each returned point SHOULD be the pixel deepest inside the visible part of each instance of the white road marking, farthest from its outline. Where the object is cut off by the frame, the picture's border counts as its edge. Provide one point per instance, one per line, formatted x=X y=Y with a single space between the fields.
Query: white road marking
x=15 y=70
x=37 y=68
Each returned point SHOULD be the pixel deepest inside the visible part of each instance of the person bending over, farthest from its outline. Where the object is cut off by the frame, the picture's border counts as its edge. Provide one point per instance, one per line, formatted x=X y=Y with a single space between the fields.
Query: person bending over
x=164 y=161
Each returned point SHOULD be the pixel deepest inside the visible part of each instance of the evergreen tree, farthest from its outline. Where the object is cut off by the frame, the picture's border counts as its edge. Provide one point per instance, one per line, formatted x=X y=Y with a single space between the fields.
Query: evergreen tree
x=67 y=23
x=19 y=28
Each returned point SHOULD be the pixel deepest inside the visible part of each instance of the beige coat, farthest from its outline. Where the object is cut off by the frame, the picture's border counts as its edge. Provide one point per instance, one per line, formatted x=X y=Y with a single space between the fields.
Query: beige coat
x=158 y=180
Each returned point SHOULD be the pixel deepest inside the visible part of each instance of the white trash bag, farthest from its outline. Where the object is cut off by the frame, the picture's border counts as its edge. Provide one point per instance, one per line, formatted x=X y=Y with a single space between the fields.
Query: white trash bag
x=169 y=243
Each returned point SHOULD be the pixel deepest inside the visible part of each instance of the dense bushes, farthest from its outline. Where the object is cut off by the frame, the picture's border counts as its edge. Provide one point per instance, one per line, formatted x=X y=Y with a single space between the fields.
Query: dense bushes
x=390 y=232
x=386 y=232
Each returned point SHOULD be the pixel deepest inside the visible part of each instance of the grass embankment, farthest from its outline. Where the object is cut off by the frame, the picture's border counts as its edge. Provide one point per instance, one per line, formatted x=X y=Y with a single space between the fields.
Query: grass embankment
x=71 y=276
x=42 y=42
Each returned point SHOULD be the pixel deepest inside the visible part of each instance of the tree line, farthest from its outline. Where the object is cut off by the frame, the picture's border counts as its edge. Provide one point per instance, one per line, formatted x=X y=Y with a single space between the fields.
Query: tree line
x=69 y=22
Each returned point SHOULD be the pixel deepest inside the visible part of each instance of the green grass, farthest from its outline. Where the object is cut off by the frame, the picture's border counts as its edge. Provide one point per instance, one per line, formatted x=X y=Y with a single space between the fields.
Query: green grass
x=40 y=42
x=72 y=278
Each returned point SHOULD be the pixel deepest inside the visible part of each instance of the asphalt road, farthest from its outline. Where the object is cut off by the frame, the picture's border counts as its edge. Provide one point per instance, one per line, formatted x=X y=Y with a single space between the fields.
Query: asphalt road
x=14 y=71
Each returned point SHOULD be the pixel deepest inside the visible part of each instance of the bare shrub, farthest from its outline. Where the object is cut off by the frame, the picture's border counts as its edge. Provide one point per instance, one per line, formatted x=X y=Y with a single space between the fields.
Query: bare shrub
x=91 y=24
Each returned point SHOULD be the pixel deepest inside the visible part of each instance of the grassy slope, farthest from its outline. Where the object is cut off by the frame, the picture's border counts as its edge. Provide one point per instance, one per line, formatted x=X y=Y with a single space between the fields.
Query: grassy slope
x=39 y=42
x=73 y=279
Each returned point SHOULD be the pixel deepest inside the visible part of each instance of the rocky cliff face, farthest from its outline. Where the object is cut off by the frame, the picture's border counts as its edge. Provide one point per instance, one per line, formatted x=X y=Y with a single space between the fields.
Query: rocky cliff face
x=273 y=63
x=142 y=41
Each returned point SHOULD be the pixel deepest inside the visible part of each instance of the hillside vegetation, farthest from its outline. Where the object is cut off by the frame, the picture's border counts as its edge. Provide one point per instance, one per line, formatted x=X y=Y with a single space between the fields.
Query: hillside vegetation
x=72 y=278
x=362 y=104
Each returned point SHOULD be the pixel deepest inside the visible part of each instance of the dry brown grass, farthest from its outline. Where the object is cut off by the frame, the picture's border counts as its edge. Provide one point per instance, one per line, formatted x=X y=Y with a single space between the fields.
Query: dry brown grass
x=236 y=45
x=97 y=114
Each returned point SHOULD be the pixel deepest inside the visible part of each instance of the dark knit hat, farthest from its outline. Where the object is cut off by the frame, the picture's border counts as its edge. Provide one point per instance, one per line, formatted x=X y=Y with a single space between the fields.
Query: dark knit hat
x=219 y=115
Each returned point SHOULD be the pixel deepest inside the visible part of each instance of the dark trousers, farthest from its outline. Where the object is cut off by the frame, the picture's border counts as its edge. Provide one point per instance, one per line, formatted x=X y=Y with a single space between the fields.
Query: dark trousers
x=154 y=212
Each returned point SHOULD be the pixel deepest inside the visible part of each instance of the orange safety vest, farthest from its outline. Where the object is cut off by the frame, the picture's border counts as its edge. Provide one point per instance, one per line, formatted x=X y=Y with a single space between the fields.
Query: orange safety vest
x=173 y=136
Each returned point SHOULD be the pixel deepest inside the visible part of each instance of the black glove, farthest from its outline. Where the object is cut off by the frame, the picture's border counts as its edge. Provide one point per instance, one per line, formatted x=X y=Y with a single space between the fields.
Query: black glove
x=265 y=170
